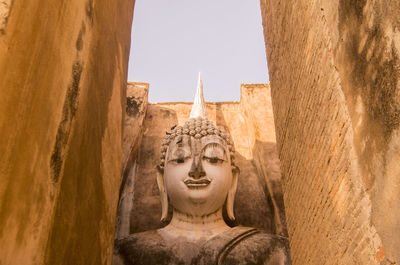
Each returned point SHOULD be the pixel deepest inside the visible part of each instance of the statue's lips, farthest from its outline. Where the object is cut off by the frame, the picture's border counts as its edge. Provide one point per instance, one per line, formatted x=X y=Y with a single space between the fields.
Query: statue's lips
x=197 y=183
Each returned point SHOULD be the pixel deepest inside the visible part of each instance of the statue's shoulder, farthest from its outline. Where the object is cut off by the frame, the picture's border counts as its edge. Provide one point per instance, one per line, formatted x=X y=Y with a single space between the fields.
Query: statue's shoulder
x=142 y=248
x=142 y=238
x=255 y=246
x=258 y=238
x=245 y=245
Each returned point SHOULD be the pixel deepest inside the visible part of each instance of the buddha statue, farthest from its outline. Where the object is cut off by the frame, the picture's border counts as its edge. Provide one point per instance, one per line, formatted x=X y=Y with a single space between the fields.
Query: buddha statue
x=198 y=177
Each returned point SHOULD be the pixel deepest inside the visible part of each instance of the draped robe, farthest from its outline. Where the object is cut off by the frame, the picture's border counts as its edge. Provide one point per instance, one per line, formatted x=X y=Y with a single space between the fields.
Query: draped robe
x=239 y=245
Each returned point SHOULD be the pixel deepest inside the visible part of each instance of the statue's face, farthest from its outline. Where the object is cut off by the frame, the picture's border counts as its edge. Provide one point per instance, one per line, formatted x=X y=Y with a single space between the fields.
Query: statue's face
x=197 y=174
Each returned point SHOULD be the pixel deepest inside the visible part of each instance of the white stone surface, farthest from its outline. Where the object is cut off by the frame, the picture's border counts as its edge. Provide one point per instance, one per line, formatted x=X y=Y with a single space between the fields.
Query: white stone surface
x=199 y=106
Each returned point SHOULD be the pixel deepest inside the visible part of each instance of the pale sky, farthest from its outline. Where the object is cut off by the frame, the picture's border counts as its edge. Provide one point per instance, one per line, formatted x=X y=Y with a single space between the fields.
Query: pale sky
x=172 y=40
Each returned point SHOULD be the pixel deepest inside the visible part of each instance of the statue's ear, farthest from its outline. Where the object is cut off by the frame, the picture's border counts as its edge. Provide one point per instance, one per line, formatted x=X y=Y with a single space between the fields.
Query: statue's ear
x=231 y=194
x=163 y=194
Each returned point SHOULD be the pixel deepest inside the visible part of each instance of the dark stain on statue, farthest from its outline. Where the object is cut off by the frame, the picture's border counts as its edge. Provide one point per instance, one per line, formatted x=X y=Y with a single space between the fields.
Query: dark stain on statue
x=64 y=128
x=79 y=41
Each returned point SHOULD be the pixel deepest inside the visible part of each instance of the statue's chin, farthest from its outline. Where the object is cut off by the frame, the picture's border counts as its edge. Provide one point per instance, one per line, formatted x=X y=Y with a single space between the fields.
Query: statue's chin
x=198 y=196
x=197 y=200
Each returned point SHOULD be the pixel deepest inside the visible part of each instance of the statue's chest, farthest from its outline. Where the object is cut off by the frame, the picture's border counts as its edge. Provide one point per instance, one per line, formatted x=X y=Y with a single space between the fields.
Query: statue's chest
x=161 y=253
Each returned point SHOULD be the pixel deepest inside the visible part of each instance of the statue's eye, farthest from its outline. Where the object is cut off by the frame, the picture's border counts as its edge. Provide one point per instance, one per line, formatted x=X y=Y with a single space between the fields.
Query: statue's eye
x=213 y=160
x=180 y=160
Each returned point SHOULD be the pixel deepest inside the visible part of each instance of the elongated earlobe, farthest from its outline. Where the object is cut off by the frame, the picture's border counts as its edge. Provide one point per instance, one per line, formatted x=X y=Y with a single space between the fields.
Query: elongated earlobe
x=163 y=194
x=231 y=194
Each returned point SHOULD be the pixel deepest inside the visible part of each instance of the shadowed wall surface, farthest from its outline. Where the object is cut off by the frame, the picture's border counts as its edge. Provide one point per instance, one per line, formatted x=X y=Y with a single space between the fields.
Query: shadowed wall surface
x=334 y=69
x=259 y=200
x=63 y=75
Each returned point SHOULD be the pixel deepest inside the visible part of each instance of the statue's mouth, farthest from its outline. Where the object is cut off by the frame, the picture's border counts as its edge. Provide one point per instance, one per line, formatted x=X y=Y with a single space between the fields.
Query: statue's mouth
x=197 y=183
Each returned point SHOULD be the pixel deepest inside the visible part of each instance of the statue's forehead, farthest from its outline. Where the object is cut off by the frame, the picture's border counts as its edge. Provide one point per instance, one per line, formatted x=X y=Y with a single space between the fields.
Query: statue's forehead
x=212 y=139
x=187 y=141
x=181 y=141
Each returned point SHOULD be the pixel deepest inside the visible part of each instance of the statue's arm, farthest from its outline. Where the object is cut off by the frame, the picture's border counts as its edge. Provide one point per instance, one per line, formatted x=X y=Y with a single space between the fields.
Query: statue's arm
x=279 y=257
x=281 y=254
x=117 y=260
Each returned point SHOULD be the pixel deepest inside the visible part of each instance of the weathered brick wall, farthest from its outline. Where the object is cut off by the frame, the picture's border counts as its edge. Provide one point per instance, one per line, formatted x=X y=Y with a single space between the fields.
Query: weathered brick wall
x=334 y=69
x=63 y=68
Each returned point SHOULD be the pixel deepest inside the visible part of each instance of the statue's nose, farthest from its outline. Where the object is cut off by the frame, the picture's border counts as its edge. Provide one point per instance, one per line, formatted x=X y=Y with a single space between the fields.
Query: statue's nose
x=196 y=170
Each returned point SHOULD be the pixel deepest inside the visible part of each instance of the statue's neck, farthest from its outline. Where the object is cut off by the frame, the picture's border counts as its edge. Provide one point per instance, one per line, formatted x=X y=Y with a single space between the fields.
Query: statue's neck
x=189 y=222
x=196 y=227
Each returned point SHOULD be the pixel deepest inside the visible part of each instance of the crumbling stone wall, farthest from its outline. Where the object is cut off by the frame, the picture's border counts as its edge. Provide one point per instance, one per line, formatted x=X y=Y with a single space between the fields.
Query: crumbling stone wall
x=334 y=70
x=63 y=68
x=133 y=130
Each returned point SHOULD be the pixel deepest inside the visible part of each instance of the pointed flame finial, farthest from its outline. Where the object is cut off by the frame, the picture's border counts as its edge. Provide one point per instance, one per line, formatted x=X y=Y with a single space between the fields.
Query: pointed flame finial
x=199 y=106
